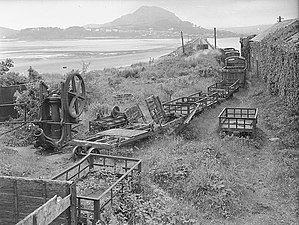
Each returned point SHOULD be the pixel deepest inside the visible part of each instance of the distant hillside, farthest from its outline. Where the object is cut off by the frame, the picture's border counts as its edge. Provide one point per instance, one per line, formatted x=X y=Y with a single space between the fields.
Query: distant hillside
x=149 y=17
x=145 y=22
x=7 y=32
x=248 y=30
x=157 y=19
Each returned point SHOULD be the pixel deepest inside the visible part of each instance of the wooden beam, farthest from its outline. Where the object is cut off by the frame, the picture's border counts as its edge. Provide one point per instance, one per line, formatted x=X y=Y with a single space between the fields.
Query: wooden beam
x=47 y=212
x=90 y=144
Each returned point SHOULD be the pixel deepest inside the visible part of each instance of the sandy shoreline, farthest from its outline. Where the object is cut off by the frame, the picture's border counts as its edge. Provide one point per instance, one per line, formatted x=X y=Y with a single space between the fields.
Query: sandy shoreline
x=52 y=65
x=62 y=57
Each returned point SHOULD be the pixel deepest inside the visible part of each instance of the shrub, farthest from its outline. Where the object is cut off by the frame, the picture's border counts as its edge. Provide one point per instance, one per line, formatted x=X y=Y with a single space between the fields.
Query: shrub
x=5 y=66
x=130 y=73
x=12 y=78
x=29 y=97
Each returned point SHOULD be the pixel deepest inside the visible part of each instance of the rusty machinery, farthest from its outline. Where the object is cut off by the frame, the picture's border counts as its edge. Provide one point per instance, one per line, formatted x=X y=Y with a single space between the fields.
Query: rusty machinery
x=59 y=111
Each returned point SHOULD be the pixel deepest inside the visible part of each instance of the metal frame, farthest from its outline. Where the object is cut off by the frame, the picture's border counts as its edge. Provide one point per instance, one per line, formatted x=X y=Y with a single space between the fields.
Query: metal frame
x=238 y=120
x=129 y=167
x=224 y=90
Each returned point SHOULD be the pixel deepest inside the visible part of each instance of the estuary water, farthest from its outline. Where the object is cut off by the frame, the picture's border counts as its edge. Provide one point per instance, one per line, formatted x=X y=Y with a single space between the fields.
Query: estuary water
x=226 y=42
x=61 y=56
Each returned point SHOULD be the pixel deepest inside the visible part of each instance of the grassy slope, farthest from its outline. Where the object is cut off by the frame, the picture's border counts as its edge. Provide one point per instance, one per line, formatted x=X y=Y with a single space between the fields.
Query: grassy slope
x=197 y=177
x=200 y=177
x=231 y=180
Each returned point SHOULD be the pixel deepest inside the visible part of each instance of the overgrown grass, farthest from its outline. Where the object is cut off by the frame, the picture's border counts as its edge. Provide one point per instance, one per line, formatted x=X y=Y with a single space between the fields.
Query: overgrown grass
x=231 y=180
x=142 y=80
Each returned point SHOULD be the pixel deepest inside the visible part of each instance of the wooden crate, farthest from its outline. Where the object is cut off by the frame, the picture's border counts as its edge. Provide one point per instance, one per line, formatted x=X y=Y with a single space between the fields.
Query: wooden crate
x=240 y=120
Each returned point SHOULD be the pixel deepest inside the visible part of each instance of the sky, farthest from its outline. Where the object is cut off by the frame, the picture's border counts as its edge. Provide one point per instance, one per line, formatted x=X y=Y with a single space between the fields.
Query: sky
x=20 y=14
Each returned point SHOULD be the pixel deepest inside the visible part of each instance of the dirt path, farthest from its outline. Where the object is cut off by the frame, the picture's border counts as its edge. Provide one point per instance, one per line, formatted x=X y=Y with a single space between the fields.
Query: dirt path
x=265 y=170
x=30 y=162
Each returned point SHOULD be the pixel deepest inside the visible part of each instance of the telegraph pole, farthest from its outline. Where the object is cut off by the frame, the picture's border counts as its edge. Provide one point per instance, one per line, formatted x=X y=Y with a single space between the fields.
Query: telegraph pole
x=183 y=42
x=215 y=37
x=279 y=19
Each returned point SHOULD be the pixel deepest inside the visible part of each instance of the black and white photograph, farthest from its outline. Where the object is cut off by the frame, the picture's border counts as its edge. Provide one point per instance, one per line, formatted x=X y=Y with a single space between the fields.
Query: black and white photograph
x=149 y=112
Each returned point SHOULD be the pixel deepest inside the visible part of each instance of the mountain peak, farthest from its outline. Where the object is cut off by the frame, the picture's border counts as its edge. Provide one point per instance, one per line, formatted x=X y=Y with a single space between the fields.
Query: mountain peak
x=156 y=11
x=145 y=16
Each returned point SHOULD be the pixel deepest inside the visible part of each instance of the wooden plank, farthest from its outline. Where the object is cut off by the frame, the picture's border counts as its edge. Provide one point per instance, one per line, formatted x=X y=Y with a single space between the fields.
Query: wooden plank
x=16 y=198
x=47 y=212
x=30 y=187
x=90 y=143
x=27 y=204
x=6 y=202
x=73 y=208
x=6 y=185
x=123 y=132
x=26 y=195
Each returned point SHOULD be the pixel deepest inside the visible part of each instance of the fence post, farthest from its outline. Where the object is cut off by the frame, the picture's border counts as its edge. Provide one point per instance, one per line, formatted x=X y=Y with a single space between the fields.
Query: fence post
x=73 y=207
x=182 y=37
x=90 y=161
x=215 y=37
x=16 y=200
x=96 y=210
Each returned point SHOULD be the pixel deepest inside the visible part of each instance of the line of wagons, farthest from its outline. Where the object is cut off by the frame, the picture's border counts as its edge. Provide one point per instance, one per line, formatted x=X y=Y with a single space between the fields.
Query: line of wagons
x=122 y=128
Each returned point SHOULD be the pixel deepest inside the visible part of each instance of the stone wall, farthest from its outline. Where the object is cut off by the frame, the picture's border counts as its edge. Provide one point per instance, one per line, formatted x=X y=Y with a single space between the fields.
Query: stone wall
x=275 y=59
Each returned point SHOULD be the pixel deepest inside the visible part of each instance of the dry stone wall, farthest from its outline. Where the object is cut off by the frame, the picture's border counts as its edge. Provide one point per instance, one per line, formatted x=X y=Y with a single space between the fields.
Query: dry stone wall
x=278 y=63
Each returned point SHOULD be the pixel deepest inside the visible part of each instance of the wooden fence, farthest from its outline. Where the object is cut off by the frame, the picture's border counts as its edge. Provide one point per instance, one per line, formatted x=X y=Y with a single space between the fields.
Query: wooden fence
x=25 y=201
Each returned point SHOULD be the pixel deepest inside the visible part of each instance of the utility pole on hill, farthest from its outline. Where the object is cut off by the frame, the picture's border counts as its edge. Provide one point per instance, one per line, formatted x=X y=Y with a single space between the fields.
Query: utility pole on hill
x=183 y=42
x=215 y=37
x=279 y=19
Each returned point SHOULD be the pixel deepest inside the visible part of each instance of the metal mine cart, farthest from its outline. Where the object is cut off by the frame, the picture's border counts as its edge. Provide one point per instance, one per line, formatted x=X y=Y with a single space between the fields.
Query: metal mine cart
x=238 y=120
x=224 y=89
x=234 y=69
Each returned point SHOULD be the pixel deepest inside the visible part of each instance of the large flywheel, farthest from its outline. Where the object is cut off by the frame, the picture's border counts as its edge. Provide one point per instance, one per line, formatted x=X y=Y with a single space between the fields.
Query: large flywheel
x=74 y=90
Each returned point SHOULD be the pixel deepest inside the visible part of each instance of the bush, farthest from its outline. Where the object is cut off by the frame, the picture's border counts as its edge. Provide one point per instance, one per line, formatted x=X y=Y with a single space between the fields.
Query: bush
x=12 y=78
x=130 y=73
x=5 y=66
x=29 y=97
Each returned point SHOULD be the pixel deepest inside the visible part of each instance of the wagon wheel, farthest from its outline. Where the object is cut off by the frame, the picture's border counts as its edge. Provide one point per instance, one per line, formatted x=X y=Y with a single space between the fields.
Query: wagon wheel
x=77 y=152
x=115 y=111
x=93 y=150
x=74 y=91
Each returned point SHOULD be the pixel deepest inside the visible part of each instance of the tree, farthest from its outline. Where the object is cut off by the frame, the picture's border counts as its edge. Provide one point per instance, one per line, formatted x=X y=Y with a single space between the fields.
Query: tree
x=5 y=66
